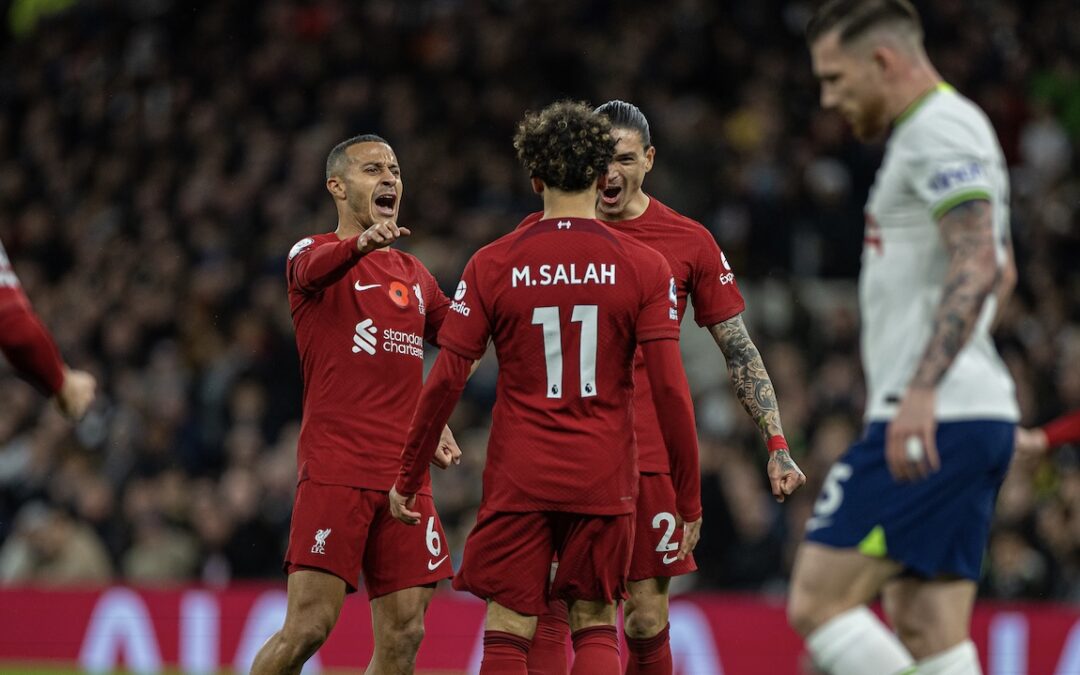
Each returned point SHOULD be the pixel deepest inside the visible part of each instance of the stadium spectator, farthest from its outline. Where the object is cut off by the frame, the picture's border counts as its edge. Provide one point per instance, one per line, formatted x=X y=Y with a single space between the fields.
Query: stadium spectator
x=157 y=161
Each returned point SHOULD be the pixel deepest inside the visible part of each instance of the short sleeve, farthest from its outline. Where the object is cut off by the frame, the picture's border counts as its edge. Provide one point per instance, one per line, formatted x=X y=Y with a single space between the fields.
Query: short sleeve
x=949 y=177
x=659 y=317
x=467 y=327
x=436 y=306
x=713 y=290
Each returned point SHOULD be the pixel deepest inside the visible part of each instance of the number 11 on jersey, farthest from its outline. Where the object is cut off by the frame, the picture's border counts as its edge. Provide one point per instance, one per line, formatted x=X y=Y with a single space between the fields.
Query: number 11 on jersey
x=548 y=319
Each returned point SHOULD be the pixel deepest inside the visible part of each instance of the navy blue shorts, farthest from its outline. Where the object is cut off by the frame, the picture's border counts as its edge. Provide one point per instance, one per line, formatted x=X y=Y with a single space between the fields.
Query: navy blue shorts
x=937 y=526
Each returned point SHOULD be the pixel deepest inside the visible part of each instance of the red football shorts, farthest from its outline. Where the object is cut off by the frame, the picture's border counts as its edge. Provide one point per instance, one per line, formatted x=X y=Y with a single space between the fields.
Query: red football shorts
x=349 y=532
x=656 y=535
x=508 y=558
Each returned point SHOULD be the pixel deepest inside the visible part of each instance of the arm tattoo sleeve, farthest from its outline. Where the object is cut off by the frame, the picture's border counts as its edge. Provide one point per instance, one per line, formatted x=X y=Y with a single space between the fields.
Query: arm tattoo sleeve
x=967 y=231
x=748 y=376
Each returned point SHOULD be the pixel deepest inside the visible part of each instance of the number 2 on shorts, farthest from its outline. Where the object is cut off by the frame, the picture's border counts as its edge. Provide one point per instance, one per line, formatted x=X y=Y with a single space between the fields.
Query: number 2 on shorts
x=658 y=521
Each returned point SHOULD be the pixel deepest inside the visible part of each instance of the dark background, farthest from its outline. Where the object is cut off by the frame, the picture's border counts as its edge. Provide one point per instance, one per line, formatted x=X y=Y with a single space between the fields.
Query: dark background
x=159 y=158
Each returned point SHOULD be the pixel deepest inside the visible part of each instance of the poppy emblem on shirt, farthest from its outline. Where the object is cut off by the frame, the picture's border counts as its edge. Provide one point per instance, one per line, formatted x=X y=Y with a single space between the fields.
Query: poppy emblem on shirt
x=399 y=293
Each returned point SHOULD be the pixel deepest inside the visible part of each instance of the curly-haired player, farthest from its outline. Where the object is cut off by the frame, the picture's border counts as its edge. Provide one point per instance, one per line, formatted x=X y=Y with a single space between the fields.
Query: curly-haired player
x=567 y=301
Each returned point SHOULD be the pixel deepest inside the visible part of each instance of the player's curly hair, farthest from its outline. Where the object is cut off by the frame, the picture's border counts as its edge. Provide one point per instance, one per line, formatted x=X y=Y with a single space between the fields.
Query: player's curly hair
x=566 y=145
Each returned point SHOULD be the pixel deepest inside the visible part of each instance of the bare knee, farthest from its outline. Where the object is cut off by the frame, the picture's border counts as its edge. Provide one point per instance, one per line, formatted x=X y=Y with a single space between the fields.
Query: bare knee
x=913 y=634
x=802 y=612
x=404 y=635
x=645 y=618
x=808 y=609
x=304 y=634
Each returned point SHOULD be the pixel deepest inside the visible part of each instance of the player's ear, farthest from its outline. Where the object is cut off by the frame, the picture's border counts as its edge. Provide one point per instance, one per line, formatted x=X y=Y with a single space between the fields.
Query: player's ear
x=650 y=155
x=537 y=185
x=335 y=187
x=884 y=61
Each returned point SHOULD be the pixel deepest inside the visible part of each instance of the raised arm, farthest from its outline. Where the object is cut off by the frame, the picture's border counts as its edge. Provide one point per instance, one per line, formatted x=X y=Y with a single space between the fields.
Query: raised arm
x=974 y=272
x=755 y=392
x=313 y=269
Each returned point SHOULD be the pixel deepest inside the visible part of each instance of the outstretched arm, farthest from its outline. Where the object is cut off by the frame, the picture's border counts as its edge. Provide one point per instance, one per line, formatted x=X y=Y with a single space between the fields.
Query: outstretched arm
x=755 y=392
x=974 y=272
x=313 y=270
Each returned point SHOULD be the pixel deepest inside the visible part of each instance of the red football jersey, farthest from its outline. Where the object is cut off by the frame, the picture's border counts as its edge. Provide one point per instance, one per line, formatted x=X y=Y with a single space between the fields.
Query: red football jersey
x=10 y=291
x=361 y=323
x=23 y=339
x=566 y=301
x=701 y=272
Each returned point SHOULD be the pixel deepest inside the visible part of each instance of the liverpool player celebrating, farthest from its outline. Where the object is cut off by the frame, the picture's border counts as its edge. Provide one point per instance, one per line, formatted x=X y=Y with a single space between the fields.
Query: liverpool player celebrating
x=28 y=346
x=703 y=274
x=362 y=312
x=566 y=300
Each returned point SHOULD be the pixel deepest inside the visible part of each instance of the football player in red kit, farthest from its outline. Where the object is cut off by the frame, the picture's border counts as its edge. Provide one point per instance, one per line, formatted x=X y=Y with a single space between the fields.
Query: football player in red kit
x=31 y=351
x=702 y=274
x=362 y=312
x=566 y=301
x=1059 y=431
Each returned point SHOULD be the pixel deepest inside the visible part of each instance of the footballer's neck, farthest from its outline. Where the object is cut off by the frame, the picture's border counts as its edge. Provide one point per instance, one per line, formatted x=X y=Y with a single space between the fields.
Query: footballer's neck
x=635 y=206
x=921 y=81
x=559 y=204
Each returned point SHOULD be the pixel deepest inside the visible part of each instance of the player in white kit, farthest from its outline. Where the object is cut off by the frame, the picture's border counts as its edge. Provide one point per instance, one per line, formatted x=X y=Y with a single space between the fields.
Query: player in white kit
x=906 y=511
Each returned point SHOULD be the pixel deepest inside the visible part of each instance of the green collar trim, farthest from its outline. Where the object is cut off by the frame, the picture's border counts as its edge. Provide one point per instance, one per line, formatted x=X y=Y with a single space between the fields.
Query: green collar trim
x=918 y=103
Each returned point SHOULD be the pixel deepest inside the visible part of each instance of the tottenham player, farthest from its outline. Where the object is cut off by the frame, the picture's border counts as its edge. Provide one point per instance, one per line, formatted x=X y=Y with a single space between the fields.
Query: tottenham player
x=906 y=510
x=702 y=275
x=28 y=346
x=362 y=312
x=567 y=301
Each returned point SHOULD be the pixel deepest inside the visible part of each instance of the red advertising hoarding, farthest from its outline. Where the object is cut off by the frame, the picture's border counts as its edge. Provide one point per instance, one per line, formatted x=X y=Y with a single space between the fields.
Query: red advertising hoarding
x=199 y=630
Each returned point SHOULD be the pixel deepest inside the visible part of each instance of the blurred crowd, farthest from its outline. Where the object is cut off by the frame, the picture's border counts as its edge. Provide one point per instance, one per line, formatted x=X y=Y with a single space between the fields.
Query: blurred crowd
x=158 y=159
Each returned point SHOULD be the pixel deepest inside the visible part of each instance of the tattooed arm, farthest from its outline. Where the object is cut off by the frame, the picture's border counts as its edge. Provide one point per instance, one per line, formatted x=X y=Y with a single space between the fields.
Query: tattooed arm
x=968 y=234
x=755 y=392
x=973 y=275
x=749 y=378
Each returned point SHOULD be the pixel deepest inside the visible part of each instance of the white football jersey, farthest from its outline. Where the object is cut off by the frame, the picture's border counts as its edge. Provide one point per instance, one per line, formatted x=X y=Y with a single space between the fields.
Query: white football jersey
x=942 y=152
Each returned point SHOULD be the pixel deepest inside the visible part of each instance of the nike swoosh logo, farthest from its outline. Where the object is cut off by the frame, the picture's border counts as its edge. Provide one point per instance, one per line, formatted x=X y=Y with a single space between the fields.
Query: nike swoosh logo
x=669 y=560
x=431 y=564
x=358 y=287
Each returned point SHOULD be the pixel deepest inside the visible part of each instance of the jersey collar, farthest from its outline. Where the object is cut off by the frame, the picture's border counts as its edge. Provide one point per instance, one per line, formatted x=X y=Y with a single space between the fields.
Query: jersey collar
x=918 y=103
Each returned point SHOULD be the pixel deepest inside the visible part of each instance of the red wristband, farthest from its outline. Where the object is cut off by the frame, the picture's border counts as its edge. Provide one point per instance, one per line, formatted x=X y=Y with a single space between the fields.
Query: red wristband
x=776 y=443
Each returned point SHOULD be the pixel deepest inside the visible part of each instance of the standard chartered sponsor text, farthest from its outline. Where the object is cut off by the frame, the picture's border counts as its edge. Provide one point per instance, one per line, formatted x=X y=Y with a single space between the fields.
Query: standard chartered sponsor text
x=400 y=342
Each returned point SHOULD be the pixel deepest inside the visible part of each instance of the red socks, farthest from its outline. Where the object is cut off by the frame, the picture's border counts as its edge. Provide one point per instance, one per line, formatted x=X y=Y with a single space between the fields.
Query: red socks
x=548 y=653
x=596 y=651
x=650 y=656
x=504 y=654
